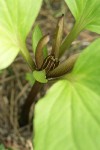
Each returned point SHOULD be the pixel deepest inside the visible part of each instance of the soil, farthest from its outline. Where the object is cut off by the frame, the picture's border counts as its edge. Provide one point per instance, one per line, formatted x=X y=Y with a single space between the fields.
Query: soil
x=14 y=88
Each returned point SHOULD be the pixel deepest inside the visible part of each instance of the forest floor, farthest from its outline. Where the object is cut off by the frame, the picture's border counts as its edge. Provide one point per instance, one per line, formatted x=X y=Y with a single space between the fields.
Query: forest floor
x=14 y=87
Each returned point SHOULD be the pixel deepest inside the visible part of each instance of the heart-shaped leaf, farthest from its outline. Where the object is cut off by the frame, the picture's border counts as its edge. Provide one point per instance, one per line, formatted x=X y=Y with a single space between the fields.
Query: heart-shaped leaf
x=86 y=13
x=16 y=19
x=67 y=118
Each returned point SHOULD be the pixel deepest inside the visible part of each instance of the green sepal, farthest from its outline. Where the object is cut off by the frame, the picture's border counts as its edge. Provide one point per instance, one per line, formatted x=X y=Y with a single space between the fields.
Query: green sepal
x=40 y=76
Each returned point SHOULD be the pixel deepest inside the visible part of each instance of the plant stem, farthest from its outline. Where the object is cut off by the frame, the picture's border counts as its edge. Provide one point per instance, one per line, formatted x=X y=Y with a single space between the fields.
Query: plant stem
x=70 y=38
x=26 y=55
x=24 y=117
x=31 y=98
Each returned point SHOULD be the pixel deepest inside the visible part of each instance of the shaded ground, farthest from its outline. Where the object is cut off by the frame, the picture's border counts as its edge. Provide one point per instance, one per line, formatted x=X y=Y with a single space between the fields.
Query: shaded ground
x=13 y=86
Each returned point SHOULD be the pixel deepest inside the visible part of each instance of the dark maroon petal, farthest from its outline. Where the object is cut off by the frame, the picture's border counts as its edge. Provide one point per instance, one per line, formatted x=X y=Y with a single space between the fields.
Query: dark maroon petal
x=57 y=39
x=39 y=57
x=64 y=67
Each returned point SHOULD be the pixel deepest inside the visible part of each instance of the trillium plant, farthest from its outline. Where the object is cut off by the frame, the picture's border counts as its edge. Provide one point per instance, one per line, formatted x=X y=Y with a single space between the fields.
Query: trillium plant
x=67 y=117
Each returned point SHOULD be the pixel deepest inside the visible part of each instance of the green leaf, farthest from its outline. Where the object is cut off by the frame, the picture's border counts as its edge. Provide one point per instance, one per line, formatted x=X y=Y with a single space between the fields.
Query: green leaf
x=86 y=13
x=2 y=147
x=16 y=20
x=29 y=77
x=40 y=76
x=68 y=118
x=37 y=35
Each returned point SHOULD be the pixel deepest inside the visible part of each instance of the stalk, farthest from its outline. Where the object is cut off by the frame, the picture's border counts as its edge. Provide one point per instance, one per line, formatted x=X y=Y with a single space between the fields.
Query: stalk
x=26 y=55
x=70 y=38
x=24 y=117
x=31 y=99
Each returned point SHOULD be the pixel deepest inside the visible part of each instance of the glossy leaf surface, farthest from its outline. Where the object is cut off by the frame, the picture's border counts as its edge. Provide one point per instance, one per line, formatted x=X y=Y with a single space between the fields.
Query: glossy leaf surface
x=16 y=20
x=86 y=13
x=67 y=118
